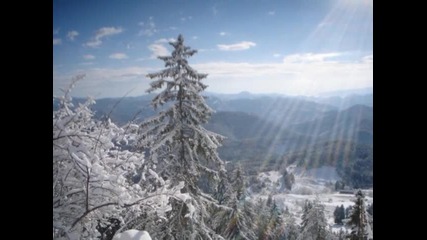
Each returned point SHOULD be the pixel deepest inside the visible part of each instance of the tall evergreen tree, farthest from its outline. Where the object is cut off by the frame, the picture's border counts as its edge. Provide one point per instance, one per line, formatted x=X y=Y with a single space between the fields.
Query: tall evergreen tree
x=291 y=227
x=288 y=179
x=359 y=220
x=179 y=146
x=236 y=222
x=339 y=214
x=314 y=224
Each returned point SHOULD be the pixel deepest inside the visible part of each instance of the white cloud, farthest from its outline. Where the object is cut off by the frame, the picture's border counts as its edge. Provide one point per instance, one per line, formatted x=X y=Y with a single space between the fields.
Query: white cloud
x=57 y=41
x=147 y=28
x=195 y=37
x=271 y=13
x=236 y=47
x=72 y=34
x=309 y=57
x=118 y=56
x=288 y=77
x=102 y=33
x=88 y=57
x=157 y=50
x=276 y=55
x=93 y=43
x=222 y=33
x=164 y=40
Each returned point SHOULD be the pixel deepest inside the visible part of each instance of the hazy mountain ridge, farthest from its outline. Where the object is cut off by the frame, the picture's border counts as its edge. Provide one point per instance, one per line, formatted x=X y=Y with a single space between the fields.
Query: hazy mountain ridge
x=267 y=132
x=354 y=123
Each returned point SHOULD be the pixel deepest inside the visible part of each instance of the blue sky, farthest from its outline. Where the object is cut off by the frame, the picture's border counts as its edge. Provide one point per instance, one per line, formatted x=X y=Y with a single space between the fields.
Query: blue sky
x=293 y=47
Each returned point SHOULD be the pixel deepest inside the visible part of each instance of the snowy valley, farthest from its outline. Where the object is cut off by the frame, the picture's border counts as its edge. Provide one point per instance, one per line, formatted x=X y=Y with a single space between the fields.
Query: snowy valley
x=309 y=184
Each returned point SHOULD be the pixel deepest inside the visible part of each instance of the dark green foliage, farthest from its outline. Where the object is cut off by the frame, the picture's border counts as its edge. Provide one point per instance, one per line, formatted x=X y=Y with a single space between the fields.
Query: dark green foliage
x=288 y=180
x=348 y=211
x=339 y=214
x=359 y=220
x=339 y=185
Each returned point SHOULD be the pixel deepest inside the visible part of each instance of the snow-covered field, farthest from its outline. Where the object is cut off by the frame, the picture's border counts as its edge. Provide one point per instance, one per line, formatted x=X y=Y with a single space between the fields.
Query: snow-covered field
x=309 y=185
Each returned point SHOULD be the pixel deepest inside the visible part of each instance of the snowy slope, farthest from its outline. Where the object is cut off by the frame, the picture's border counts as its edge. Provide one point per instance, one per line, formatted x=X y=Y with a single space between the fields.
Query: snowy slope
x=309 y=185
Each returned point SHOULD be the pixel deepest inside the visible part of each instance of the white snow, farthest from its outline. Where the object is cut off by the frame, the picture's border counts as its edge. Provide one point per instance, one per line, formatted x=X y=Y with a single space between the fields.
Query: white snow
x=132 y=234
x=308 y=185
x=273 y=176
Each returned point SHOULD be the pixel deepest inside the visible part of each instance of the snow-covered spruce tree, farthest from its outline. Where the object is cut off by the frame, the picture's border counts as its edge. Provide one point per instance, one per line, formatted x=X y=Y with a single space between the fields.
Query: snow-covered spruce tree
x=179 y=147
x=291 y=227
x=314 y=224
x=91 y=184
x=235 y=222
x=359 y=219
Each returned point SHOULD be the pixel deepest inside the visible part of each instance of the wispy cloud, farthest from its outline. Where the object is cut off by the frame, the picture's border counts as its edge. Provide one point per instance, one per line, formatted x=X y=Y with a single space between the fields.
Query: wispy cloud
x=276 y=55
x=186 y=18
x=96 y=41
x=148 y=28
x=164 y=40
x=88 y=57
x=309 y=57
x=118 y=56
x=222 y=33
x=157 y=49
x=56 y=31
x=195 y=37
x=271 y=13
x=57 y=41
x=72 y=34
x=289 y=77
x=237 y=46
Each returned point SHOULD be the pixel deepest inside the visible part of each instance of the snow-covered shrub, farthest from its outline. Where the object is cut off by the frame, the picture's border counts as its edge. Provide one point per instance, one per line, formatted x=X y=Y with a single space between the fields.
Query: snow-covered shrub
x=91 y=183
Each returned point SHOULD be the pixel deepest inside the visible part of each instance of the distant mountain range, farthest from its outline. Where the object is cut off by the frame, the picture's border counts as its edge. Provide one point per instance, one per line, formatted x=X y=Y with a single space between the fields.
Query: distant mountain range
x=266 y=132
x=349 y=92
